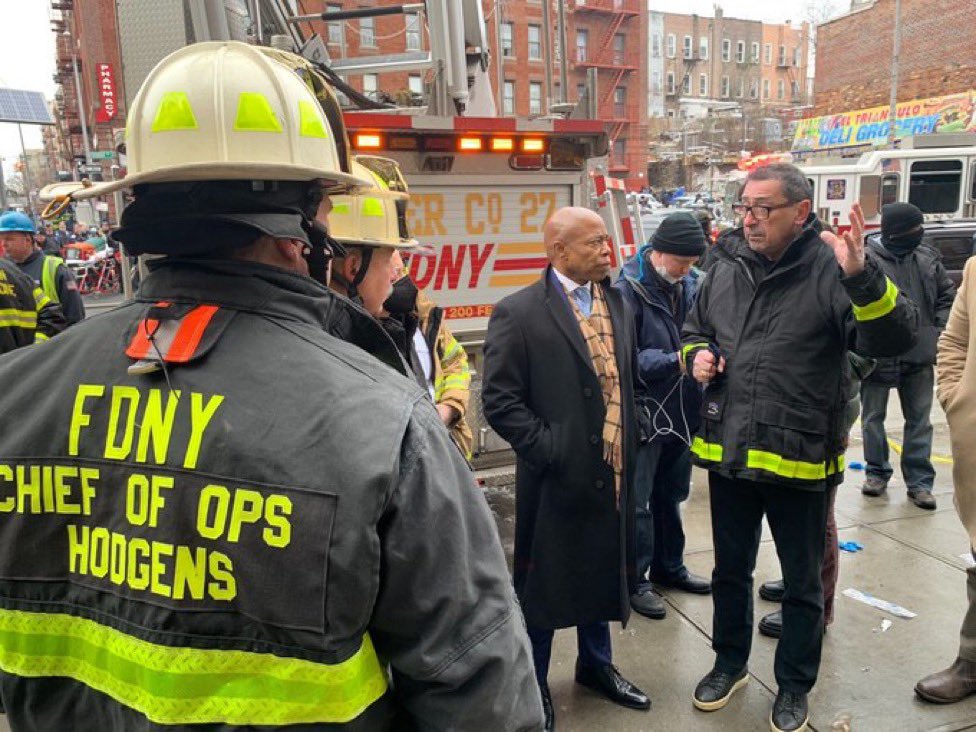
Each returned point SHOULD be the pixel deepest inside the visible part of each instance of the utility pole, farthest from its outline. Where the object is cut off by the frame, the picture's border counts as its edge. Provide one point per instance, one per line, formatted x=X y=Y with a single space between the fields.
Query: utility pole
x=895 y=52
x=3 y=189
x=81 y=112
x=26 y=172
x=547 y=49
x=563 y=52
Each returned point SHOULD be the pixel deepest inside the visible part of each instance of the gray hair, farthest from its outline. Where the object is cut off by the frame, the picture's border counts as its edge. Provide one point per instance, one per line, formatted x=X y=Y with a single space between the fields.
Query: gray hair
x=795 y=185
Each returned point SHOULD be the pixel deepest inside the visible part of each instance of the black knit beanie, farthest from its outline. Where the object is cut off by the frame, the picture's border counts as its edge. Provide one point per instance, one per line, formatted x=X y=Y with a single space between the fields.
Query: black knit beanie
x=680 y=234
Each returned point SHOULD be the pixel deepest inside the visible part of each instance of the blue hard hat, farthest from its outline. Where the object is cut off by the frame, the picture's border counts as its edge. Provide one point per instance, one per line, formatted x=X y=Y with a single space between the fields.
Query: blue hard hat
x=16 y=221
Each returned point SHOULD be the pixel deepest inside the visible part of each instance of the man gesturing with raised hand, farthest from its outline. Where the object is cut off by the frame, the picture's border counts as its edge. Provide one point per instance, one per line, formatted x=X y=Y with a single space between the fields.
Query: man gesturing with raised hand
x=769 y=336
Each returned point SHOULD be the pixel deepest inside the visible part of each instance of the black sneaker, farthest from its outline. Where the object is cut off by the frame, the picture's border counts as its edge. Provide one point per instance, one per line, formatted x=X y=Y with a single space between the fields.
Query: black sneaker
x=714 y=691
x=790 y=713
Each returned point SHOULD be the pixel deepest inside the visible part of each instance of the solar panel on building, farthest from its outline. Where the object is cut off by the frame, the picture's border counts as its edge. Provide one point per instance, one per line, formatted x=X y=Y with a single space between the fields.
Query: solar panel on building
x=28 y=107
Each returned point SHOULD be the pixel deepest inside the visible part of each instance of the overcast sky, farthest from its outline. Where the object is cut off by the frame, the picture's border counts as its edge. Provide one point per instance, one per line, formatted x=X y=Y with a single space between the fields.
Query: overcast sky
x=27 y=48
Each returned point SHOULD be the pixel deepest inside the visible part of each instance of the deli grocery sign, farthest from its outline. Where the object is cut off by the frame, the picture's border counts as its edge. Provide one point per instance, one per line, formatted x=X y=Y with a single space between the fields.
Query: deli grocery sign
x=107 y=96
x=950 y=113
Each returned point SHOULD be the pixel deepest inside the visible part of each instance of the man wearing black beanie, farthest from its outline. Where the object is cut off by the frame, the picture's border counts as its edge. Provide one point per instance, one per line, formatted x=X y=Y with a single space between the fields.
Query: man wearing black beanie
x=918 y=272
x=660 y=287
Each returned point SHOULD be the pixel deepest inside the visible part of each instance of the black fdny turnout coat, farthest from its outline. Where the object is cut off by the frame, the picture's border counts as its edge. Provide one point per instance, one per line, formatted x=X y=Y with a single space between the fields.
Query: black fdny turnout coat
x=27 y=315
x=573 y=562
x=777 y=413
x=265 y=535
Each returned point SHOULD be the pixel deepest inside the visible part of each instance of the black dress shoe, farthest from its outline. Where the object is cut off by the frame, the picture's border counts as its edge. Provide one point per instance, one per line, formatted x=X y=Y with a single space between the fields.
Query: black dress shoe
x=649 y=604
x=714 y=691
x=687 y=582
x=607 y=681
x=772 y=591
x=790 y=712
x=771 y=625
x=547 y=708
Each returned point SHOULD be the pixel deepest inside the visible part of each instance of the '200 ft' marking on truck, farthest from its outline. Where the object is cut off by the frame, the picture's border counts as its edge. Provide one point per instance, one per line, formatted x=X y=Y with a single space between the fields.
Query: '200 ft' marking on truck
x=484 y=214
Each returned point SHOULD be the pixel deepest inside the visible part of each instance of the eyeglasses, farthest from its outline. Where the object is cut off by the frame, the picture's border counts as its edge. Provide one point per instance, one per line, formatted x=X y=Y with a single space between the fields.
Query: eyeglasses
x=597 y=241
x=759 y=213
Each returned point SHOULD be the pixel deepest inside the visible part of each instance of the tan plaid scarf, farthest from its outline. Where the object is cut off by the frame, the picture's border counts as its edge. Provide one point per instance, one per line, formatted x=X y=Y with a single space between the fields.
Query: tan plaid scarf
x=598 y=333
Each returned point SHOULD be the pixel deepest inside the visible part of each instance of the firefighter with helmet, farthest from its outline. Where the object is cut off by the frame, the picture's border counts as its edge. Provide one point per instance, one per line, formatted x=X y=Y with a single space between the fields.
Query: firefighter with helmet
x=27 y=315
x=50 y=273
x=235 y=506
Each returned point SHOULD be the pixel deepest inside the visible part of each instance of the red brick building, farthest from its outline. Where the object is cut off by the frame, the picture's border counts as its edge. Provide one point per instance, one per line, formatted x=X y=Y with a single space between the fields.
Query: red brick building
x=85 y=33
x=607 y=35
x=937 y=56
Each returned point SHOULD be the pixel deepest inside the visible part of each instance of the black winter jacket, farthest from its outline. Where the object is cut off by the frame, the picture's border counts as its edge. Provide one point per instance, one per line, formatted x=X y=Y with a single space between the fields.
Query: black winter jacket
x=26 y=313
x=777 y=413
x=921 y=275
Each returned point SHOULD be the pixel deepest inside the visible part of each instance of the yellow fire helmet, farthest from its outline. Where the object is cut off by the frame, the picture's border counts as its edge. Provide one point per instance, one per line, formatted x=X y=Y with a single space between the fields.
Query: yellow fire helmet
x=375 y=217
x=225 y=111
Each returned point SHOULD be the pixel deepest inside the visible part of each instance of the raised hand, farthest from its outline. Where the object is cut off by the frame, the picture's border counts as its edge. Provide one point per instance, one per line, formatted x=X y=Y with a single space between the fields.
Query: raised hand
x=849 y=248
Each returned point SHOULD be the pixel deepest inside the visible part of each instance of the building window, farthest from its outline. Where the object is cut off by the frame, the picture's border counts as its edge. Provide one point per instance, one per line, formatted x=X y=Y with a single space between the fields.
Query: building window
x=415 y=84
x=765 y=89
x=753 y=88
x=413 y=32
x=795 y=90
x=768 y=51
x=670 y=86
x=686 y=85
x=726 y=87
x=508 y=97
x=370 y=85
x=739 y=85
x=672 y=45
x=726 y=50
x=755 y=53
x=655 y=82
x=620 y=102
x=508 y=44
x=782 y=55
x=780 y=89
x=582 y=43
x=535 y=43
x=619 y=154
x=535 y=97
x=367 y=31
x=797 y=57
x=686 y=47
x=655 y=45
x=335 y=26
x=703 y=85
x=580 y=91
x=619 y=44
x=703 y=47
x=740 y=52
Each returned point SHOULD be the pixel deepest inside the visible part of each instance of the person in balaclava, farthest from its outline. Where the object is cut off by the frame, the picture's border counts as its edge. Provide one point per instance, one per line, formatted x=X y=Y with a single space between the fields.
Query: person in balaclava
x=917 y=270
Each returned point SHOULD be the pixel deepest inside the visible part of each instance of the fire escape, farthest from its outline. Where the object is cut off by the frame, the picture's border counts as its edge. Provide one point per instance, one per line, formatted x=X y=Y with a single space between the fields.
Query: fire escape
x=66 y=99
x=617 y=55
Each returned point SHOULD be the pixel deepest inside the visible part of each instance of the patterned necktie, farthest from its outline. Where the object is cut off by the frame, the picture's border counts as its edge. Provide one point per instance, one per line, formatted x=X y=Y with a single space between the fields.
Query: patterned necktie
x=584 y=300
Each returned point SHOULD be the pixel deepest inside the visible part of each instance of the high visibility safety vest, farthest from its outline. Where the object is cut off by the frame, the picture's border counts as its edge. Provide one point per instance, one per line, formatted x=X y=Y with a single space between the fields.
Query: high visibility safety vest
x=49 y=277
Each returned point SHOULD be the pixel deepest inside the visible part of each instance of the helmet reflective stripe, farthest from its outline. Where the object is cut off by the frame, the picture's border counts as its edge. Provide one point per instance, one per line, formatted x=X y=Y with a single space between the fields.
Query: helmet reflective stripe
x=311 y=123
x=254 y=113
x=370 y=218
x=174 y=113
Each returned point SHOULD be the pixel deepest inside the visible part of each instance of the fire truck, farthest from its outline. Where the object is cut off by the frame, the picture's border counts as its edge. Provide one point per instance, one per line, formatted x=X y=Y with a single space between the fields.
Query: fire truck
x=481 y=186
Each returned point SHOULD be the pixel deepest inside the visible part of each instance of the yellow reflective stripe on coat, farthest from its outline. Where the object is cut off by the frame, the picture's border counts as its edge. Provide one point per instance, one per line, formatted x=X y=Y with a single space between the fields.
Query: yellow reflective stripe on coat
x=880 y=307
x=12 y=318
x=686 y=350
x=38 y=337
x=41 y=300
x=49 y=277
x=707 y=450
x=190 y=685
x=798 y=469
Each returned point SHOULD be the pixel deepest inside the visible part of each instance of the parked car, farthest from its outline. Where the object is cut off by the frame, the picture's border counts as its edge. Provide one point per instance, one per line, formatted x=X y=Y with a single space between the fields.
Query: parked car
x=953 y=239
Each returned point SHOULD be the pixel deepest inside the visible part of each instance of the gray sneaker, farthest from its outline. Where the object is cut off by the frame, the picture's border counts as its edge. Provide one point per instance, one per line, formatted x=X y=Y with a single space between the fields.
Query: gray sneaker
x=922 y=499
x=874 y=486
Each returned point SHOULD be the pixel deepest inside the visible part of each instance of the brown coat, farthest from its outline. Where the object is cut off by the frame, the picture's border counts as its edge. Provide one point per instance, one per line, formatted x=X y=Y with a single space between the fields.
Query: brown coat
x=956 y=369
